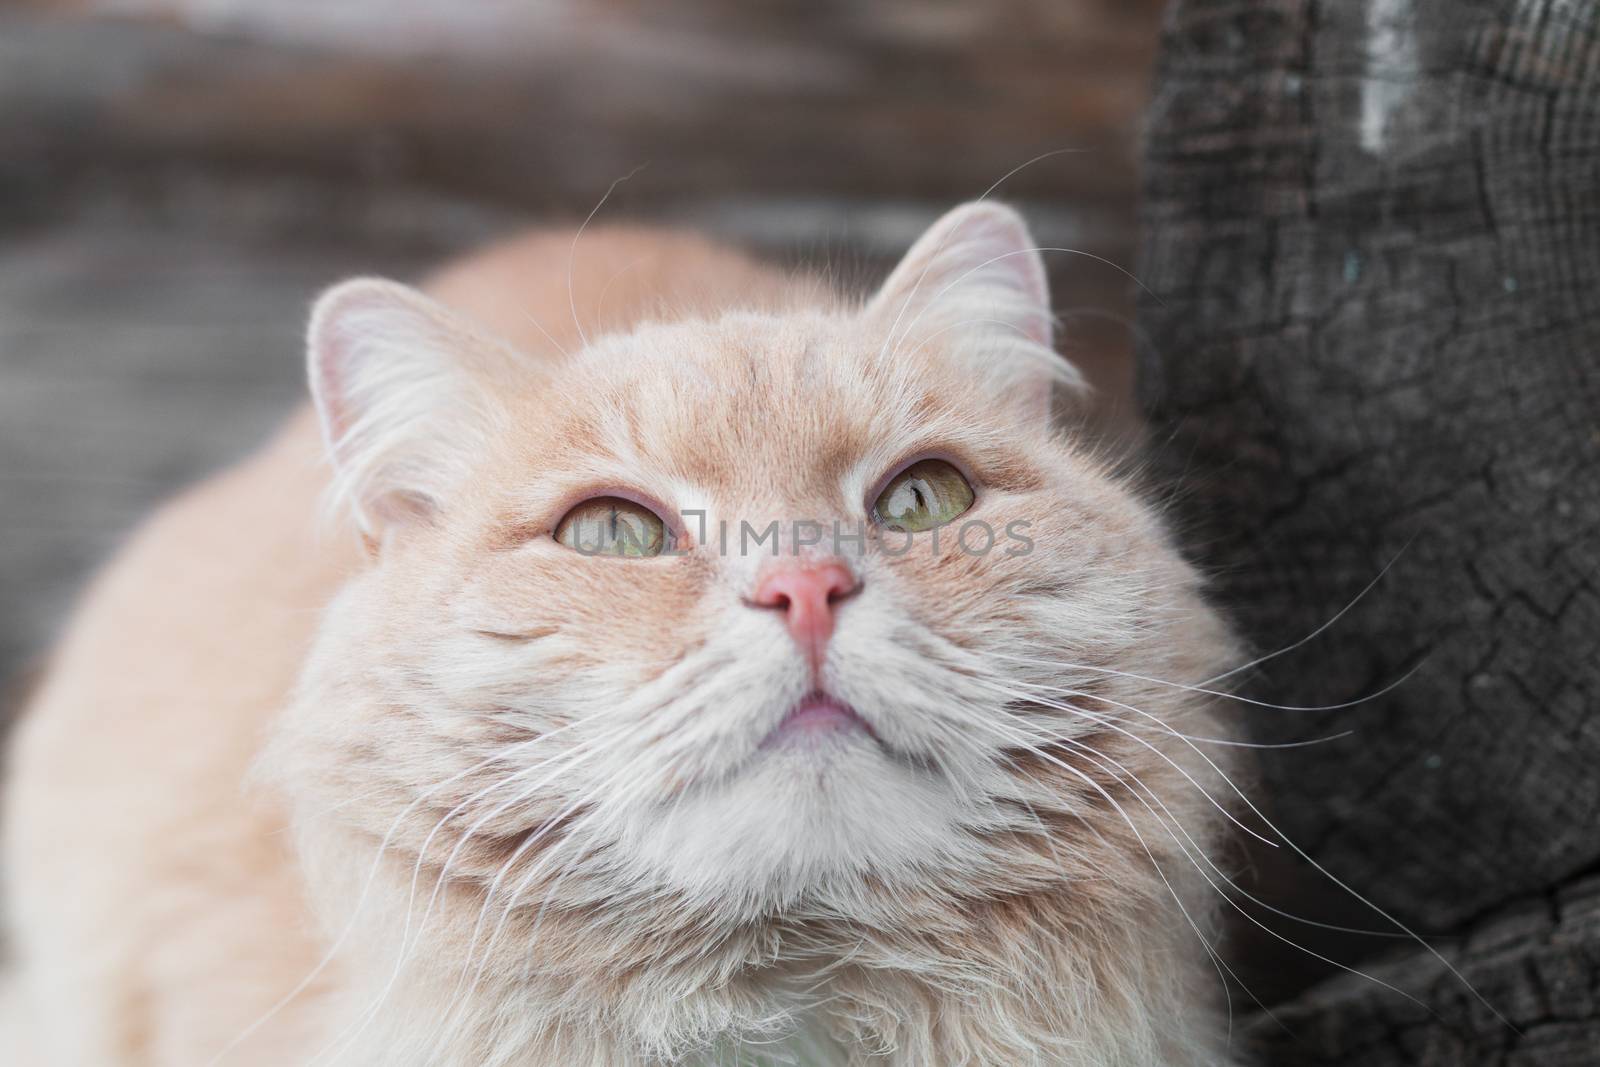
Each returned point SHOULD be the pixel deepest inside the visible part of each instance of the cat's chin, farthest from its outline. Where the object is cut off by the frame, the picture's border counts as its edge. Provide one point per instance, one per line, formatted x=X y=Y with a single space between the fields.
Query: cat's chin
x=822 y=799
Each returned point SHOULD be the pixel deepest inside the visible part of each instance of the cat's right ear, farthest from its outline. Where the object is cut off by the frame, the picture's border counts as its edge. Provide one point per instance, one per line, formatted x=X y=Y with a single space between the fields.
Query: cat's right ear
x=402 y=412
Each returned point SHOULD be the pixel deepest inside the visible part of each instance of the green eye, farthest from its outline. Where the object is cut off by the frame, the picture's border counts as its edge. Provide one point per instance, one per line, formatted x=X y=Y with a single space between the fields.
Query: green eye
x=924 y=495
x=611 y=526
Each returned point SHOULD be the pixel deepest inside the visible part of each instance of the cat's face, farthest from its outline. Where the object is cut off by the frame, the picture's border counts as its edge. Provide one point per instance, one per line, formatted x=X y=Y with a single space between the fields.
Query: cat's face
x=754 y=609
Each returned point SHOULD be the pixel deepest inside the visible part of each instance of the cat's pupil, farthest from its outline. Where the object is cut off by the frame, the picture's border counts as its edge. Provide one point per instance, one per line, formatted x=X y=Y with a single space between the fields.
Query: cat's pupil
x=916 y=491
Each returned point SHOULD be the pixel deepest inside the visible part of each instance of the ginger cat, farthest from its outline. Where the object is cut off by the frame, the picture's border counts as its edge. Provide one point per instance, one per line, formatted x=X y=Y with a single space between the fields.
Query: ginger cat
x=749 y=674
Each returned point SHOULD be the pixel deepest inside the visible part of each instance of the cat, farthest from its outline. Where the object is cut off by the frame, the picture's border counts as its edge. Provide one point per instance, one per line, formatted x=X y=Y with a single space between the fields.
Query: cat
x=581 y=680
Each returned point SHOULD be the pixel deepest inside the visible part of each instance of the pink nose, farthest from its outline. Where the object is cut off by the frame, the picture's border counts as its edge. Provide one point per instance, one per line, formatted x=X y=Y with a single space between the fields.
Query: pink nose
x=806 y=592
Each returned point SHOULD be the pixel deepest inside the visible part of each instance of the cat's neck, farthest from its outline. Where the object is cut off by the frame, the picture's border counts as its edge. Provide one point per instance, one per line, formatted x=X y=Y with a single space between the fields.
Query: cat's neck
x=1019 y=979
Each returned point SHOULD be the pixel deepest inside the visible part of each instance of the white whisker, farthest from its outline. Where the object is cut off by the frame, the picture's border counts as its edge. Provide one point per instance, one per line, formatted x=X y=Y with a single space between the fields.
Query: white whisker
x=1224 y=972
x=571 y=758
x=1314 y=634
x=572 y=300
x=1219 y=693
x=1385 y=915
x=1172 y=823
x=1106 y=721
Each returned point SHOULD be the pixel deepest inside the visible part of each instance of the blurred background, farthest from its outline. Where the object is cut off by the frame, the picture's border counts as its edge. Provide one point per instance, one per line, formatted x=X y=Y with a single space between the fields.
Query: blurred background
x=179 y=177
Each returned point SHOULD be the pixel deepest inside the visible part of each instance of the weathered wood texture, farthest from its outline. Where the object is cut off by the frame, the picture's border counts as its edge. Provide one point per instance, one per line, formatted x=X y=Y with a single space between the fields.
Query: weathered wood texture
x=1537 y=960
x=1374 y=231
x=136 y=358
x=727 y=102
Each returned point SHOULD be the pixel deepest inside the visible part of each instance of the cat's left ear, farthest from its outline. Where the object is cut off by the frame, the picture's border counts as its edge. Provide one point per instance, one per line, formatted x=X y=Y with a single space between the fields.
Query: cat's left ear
x=974 y=283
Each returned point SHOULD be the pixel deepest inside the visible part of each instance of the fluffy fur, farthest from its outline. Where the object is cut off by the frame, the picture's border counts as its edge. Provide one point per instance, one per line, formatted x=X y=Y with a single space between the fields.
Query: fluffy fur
x=511 y=805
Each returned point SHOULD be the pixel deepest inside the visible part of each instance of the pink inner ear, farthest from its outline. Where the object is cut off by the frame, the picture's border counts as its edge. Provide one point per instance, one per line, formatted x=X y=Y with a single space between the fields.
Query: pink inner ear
x=327 y=384
x=329 y=350
x=333 y=342
x=997 y=250
x=978 y=255
x=1037 y=285
x=368 y=343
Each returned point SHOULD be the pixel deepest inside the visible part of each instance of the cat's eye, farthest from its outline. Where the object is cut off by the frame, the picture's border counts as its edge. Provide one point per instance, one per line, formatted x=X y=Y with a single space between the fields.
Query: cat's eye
x=924 y=495
x=611 y=526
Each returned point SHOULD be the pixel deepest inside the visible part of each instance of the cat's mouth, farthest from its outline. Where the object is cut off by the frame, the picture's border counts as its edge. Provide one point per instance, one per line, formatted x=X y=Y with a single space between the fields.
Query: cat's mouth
x=818 y=717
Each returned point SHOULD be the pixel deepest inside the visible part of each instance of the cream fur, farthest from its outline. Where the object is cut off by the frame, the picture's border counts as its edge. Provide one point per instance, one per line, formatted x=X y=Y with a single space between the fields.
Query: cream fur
x=476 y=800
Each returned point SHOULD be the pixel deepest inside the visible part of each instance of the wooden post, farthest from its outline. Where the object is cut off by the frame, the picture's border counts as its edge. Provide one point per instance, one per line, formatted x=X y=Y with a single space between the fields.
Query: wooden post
x=1373 y=228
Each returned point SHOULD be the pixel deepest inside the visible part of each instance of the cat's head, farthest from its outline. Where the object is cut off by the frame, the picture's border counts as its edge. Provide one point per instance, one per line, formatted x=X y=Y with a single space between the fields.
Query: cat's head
x=763 y=610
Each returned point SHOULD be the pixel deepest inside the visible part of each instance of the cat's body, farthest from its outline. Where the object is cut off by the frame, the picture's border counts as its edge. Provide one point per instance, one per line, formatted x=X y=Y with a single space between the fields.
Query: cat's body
x=694 y=892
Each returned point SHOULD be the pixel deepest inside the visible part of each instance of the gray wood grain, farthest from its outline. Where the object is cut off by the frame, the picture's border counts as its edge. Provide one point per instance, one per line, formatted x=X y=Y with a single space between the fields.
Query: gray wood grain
x=1374 y=230
x=1535 y=959
x=136 y=359
x=721 y=99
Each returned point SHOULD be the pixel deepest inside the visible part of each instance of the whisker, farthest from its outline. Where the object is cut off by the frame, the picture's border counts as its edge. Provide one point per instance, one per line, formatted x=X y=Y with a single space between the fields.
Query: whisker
x=1104 y=721
x=1385 y=915
x=1088 y=748
x=407 y=944
x=372 y=873
x=1224 y=972
x=572 y=300
x=1168 y=728
x=889 y=339
x=461 y=995
x=1219 y=693
x=605 y=291
x=996 y=259
x=1320 y=629
x=1171 y=822
x=548 y=336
